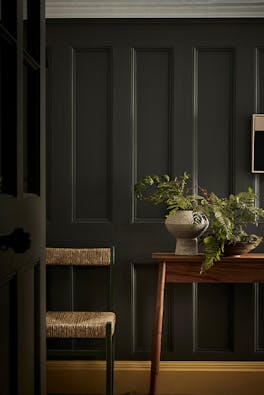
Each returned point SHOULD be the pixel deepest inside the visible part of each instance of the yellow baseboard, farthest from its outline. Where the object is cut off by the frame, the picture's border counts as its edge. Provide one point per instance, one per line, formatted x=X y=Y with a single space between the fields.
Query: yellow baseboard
x=175 y=377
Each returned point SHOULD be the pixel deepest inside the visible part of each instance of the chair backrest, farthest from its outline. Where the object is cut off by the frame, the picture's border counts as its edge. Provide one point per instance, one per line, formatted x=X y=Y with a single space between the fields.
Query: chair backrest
x=79 y=256
x=90 y=257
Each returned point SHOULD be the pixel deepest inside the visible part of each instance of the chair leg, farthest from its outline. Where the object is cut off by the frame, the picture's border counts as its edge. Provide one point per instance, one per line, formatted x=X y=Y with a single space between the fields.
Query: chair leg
x=109 y=360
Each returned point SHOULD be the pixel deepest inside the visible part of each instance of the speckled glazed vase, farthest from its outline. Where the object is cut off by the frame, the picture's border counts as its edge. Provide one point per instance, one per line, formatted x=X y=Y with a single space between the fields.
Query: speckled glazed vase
x=186 y=226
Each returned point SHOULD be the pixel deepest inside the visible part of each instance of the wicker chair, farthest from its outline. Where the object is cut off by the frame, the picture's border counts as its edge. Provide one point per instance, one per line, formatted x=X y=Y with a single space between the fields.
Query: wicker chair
x=84 y=324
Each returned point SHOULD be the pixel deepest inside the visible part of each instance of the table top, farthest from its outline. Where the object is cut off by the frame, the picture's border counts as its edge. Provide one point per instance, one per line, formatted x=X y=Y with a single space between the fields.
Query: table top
x=247 y=268
x=171 y=257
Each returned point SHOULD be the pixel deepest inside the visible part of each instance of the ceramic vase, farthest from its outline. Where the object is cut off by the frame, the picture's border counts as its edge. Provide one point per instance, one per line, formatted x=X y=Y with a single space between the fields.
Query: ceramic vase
x=186 y=226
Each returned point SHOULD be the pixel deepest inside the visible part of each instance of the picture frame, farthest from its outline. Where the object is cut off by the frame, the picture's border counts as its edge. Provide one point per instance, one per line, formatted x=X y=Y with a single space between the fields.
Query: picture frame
x=257 y=145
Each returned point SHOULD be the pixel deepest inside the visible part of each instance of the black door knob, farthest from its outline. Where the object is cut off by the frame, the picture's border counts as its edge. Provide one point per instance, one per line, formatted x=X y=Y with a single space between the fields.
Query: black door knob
x=19 y=240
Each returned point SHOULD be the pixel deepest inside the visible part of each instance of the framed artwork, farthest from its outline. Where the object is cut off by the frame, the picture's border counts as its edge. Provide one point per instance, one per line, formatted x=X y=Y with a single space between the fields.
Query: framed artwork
x=257 y=147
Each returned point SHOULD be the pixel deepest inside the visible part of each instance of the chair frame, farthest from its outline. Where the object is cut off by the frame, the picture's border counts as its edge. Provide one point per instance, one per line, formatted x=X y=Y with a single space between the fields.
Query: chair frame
x=109 y=340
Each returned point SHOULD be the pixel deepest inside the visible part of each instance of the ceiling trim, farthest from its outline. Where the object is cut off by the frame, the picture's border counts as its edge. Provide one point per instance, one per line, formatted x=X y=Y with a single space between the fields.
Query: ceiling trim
x=154 y=9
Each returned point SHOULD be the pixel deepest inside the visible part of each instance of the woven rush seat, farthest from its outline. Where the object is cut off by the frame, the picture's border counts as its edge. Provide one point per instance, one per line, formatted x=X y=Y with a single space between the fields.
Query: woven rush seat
x=75 y=324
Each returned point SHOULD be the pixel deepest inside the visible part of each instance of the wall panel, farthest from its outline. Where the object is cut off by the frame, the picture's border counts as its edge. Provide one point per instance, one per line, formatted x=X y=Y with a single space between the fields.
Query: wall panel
x=207 y=318
x=152 y=84
x=214 y=85
x=144 y=276
x=259 y=318
x=91 y=135
x=260 y=79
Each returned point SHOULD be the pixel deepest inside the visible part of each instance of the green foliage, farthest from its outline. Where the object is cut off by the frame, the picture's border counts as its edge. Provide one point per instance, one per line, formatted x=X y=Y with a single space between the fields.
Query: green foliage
x=173 y=192
x=228 y=219
x=213 y=249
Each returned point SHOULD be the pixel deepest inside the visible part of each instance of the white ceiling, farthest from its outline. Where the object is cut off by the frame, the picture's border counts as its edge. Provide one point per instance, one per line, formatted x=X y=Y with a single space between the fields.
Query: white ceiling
x=154 y=8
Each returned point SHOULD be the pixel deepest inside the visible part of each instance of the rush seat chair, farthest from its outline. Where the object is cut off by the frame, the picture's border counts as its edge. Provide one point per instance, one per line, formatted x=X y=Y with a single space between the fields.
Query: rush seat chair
x=93 y=325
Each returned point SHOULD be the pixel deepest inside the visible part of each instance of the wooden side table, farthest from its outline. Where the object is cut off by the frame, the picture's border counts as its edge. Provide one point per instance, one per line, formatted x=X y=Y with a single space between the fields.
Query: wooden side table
x=173 y=268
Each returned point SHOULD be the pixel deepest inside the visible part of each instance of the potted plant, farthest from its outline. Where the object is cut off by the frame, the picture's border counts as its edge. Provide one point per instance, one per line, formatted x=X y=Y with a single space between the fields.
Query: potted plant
x=228 y=220
x=184 y=220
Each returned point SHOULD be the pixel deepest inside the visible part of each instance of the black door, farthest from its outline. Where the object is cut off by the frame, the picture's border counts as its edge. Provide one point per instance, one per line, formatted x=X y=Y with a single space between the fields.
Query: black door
x=22 y=216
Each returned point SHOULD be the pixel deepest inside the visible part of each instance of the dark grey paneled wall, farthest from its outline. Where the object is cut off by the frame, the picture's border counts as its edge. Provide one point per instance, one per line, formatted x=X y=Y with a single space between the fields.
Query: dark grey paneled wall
x=215 y=83
x=127 y=98
x=92 y=81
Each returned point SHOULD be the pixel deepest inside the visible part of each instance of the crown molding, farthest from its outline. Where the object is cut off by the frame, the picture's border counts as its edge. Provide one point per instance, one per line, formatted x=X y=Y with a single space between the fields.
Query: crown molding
x=154 y=9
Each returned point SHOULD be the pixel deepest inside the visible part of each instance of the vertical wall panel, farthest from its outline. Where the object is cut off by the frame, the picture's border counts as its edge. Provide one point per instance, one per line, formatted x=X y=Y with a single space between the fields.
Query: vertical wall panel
x=152 y=75
x=260 y=80
x=214 y=81
x=85 y=285
x=92 y=111
x=259 y=317
x=208 y=317
x=145 y=277
x=59 y=280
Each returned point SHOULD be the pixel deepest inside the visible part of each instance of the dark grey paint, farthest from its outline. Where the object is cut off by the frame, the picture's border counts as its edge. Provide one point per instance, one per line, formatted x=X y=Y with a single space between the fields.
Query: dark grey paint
x=133 y=97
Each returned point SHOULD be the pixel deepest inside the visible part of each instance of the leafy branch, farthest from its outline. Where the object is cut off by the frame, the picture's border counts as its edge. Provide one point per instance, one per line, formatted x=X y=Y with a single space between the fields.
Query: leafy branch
x=173 y=192
x=228 y=218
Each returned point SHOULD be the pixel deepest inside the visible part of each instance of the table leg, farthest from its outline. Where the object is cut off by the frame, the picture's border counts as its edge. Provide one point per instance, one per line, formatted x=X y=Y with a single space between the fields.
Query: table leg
x=157 y=329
